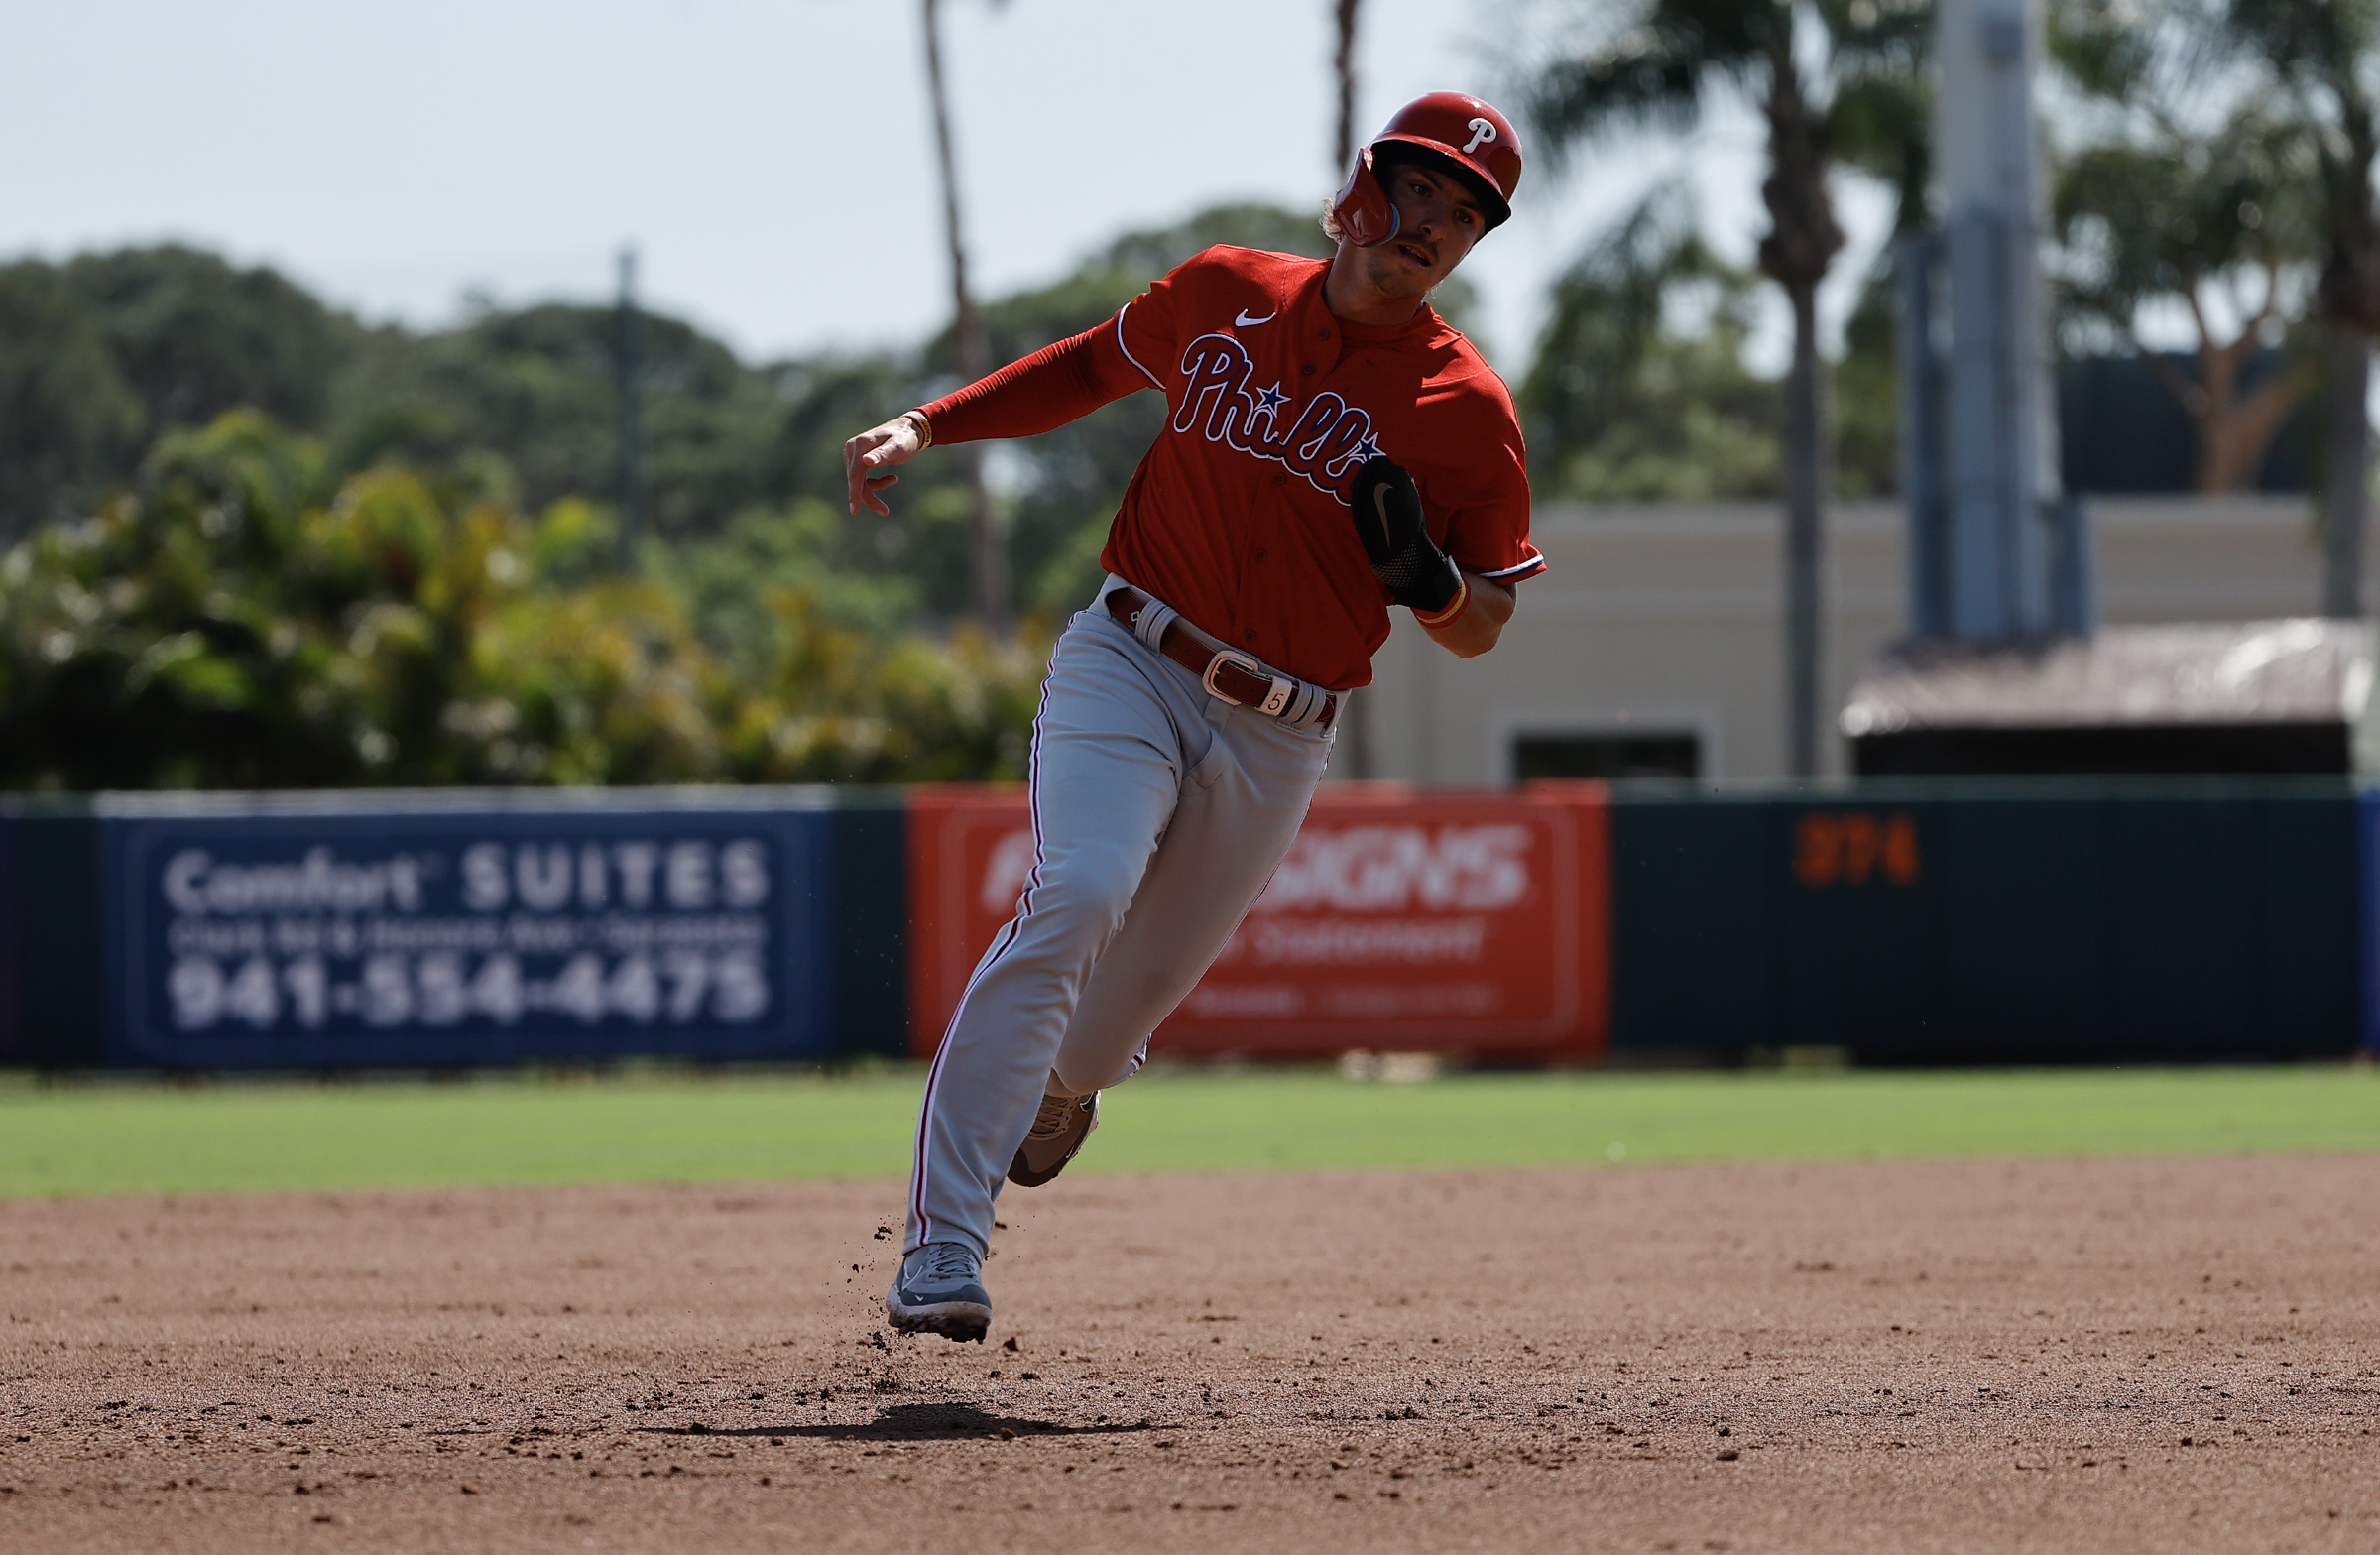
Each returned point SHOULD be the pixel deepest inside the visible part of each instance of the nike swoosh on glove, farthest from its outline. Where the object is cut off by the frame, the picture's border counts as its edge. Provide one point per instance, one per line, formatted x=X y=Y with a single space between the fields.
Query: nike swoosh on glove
x=1408 y=563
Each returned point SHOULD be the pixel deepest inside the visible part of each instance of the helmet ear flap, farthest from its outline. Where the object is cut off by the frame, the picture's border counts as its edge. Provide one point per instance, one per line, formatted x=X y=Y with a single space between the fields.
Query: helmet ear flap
x=1364 y=210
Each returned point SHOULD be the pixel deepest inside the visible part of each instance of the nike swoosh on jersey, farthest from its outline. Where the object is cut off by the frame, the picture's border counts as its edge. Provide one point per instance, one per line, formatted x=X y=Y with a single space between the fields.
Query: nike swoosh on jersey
x=1244 y=320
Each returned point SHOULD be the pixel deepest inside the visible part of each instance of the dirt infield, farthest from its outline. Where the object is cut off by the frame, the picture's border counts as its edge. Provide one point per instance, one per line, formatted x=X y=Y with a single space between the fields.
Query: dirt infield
x=2041 y=1356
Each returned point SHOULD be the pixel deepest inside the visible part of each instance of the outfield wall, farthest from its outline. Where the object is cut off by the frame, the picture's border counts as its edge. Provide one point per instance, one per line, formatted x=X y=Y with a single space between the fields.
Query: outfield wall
x=1908 y=923
x=1401 y=918
x=2010 y=924
x=440 y=930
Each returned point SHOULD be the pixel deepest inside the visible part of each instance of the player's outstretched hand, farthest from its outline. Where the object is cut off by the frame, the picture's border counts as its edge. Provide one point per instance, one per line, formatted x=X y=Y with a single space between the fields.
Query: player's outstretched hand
x=897 y=441
x=1408 y=563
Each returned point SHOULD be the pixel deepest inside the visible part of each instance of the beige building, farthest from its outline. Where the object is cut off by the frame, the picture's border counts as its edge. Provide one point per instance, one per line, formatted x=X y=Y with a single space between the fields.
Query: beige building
x=1657 y=633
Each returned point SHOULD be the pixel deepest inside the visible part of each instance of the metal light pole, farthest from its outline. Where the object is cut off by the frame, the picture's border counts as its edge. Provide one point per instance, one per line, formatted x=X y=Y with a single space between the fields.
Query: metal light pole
x=627 y=353
x=1995 y=550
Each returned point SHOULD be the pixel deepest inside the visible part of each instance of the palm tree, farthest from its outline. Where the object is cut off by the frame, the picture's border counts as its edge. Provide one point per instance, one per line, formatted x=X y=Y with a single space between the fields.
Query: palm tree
x=1816 y=70
x=1343 y=63
x=988 y=571
x=2324 y=53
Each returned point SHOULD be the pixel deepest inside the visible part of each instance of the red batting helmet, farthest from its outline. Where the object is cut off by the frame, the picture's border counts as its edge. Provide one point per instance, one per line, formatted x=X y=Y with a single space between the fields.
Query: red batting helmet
x=1448 y=131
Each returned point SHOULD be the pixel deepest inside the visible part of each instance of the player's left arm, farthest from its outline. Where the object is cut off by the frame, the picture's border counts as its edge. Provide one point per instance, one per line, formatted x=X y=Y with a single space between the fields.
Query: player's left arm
x=1462 y=610
x=1473 y=628
x=1487 y=533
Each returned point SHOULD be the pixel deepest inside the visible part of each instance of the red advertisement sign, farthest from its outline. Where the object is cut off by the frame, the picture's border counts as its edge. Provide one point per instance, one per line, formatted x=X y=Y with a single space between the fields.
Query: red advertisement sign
x=1401 y=919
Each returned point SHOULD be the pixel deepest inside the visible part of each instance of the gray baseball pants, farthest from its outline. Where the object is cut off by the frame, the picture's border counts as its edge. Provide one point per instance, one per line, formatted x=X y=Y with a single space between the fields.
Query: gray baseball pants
x=1159 y=812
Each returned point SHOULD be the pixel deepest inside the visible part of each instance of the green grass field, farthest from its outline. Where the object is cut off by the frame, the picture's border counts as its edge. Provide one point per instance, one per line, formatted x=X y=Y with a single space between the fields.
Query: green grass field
x=268 y=1136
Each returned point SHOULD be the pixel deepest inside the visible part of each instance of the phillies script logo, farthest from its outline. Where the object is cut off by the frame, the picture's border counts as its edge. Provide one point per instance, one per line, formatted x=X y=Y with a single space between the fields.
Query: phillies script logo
x=1328 y=438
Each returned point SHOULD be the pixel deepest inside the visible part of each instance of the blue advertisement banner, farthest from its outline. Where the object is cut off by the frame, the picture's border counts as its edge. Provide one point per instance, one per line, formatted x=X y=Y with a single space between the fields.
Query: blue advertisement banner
x=400 y=931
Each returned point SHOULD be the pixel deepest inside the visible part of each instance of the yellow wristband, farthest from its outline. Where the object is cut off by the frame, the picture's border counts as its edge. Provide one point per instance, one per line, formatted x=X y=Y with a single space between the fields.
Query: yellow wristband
x=1454 y=607
x=925 y=428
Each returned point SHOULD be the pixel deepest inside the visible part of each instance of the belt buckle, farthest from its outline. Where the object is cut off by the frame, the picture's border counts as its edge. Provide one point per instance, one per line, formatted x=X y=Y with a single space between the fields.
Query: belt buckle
x=1276 y=696
x=1231 y=655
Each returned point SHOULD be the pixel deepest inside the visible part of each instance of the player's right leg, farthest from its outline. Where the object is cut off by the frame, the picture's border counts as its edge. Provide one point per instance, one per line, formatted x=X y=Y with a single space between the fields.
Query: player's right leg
x=1110 y=749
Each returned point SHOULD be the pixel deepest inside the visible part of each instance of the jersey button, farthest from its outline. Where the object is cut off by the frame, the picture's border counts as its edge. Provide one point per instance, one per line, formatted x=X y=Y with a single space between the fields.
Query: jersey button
x=1308 y=369
x=1248 y=636
x=1260 y=555
x=1322 y=334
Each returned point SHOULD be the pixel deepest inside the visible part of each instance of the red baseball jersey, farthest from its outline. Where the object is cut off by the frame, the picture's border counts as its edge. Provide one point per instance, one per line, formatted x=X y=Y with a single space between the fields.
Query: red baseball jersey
x=1239 y=515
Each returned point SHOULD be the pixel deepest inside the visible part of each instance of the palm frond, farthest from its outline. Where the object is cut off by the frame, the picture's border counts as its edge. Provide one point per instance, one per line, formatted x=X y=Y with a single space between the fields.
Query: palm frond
x=1883 y=125
x=1651 y=72
x=1867 y=37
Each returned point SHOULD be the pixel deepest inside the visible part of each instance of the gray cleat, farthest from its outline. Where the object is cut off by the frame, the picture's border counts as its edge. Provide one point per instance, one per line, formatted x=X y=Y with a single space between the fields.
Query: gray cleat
x=940 y=1290
x=1058 y=1133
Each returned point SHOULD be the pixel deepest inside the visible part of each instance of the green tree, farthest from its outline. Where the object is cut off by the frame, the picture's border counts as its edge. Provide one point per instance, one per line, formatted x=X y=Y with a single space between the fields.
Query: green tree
x=1883 y=126
x=101 y=356
x=1628 y=401
x=733 y=583
x=66 y=412
x=2322 y=55
x=1810 y=65
x=2174 y=196
x=1867 y=391
x=197 y=336
x=520 y=405
x=535 y=386
x=841 y=706
x=254 y=617
x=822 y=401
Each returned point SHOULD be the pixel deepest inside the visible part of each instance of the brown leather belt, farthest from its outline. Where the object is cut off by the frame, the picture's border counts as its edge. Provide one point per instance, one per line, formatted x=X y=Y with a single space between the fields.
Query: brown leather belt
x=1234 y=676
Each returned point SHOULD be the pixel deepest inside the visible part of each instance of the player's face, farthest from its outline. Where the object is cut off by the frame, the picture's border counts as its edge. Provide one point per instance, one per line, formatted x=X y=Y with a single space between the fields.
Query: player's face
x=1438 y=221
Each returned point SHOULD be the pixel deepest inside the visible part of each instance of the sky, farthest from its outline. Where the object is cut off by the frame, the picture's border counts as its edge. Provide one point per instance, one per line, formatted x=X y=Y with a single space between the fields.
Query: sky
x=771 y=161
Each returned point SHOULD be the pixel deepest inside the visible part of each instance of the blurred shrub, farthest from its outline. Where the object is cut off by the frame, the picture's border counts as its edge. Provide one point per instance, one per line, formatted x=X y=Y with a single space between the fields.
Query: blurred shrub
x=105 y=355
x=841 y=706
x=254 y=615
x=1639 y=391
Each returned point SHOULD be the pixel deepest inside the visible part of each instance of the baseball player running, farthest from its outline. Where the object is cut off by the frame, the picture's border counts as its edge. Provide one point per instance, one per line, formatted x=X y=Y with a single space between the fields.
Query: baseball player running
x=1334 y=448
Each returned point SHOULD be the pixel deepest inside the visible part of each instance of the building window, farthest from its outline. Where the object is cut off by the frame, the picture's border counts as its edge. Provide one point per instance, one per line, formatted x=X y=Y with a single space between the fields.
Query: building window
x=1636 y=754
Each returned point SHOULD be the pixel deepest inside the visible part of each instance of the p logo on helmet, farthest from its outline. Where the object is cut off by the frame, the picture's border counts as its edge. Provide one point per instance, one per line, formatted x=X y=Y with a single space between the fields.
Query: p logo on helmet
x=1448 y=131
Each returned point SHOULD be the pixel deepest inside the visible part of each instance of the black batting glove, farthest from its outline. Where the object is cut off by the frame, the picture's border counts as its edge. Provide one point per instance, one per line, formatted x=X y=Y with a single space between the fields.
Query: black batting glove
x=1408 y=563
